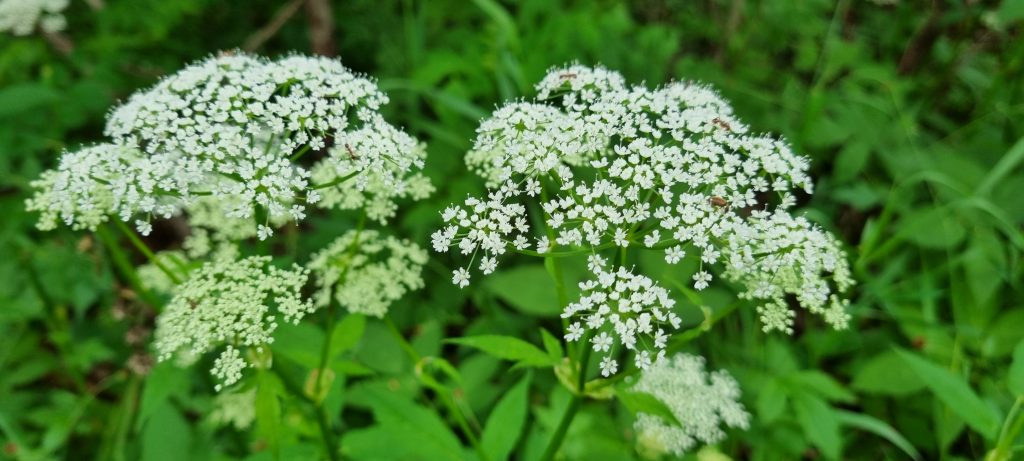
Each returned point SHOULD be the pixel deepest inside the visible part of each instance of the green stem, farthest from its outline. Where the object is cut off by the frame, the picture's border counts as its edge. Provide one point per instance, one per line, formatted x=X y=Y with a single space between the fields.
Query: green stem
x=124 y=266
x=326 y=433
x=145 y=250
x=1011 y=428
x=572 y=409
x=336 y=181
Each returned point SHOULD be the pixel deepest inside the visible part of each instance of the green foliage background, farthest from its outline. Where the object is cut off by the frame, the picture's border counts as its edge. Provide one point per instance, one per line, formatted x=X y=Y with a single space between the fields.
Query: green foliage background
x=911 y=113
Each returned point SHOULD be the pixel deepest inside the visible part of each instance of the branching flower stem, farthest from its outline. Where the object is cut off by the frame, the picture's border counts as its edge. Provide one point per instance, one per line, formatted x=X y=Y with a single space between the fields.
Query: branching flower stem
x=323 y=421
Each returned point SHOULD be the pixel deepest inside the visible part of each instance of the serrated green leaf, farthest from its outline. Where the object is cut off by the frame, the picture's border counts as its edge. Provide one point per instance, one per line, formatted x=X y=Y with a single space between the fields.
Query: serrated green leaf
x=506 y=422
x=955 y=393
x=508 y=348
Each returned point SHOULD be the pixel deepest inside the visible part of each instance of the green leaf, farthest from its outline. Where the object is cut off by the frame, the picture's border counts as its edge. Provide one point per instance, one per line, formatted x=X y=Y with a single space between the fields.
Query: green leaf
x=164 y=380
x=932 y=227
x=268 y=409
x=819 y=422
x=404 y=430
x=1015 y=377
x=955 y=393
x=347 y=334
x=166 y=436
x=508 y=348
x=642 y=402
x=528 y=289
x=886 y=373
x=16 y=99
x=301 y=343
x=823 y=385
x=771 y=401
x=875 y=426
x=506 y=422
x=552 y=345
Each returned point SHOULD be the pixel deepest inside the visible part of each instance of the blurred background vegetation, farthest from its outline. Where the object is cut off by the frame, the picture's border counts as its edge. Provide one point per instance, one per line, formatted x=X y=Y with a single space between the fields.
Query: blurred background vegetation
x=911 y=111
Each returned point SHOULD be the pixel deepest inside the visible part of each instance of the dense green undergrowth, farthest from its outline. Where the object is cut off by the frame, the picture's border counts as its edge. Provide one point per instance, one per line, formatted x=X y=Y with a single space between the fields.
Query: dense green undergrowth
x=910 y=112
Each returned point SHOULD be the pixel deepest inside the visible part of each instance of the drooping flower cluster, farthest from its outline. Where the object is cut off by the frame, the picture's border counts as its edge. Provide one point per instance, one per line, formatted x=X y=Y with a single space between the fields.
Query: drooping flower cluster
x=226 y=135
x=21 y=17
x=668 y=169
x=366 y=272
x=621 y=308
x=700 y=401
x=233 y=303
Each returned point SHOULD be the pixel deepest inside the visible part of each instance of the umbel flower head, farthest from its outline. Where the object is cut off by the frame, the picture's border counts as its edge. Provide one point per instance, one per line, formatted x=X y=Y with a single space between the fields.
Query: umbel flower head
x=701 y=402
x=367 y=272
x=21 y=17
x=234 y=304
x=669 y=169
x=229 y=131
x=620 y=309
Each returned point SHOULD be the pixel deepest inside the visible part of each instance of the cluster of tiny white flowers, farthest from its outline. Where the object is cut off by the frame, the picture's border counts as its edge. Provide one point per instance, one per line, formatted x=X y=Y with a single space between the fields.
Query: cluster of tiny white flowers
x=702 y=402
x=376 y=189
x=237 y=303
x=622 y=308
x=231 y=130
x=20 y=17
x=367 y=271
x=669 y=169
x=235 y=408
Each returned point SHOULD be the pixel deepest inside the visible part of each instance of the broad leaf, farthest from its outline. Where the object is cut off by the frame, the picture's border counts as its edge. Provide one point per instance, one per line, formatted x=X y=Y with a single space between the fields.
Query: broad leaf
x=505 y=423
x=955 y=393
x=508 y=348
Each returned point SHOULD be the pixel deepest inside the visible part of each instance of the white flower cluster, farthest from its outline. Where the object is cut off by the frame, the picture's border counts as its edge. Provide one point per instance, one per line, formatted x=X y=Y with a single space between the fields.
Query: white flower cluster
x=667 y=169
x=702 y=402
x=229 y=131
x=620 y=307
x=237 y=409
x=237 y=303
x=20 y=17
x=367 y=271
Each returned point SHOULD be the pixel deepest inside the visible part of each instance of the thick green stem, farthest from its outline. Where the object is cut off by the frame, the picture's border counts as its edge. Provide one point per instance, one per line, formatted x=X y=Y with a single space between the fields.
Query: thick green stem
x=145 y=250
